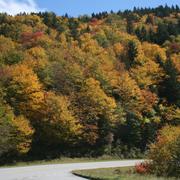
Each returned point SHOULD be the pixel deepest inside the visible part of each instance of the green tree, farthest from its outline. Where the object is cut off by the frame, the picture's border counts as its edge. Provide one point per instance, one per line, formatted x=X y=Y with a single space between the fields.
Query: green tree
x=132 y=53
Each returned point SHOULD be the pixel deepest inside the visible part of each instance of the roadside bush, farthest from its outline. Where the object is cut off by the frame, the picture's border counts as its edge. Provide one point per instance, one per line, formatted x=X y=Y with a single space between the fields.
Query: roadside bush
x=124 y=152
x=142 y=168
x=165 y=152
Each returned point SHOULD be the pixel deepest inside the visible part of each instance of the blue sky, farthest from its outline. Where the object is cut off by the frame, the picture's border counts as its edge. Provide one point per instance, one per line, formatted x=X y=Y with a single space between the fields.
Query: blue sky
x=77 y=7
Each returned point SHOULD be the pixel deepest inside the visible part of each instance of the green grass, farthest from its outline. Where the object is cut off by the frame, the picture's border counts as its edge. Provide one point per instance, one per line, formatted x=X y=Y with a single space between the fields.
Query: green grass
x=62 y=160
x=123 y=173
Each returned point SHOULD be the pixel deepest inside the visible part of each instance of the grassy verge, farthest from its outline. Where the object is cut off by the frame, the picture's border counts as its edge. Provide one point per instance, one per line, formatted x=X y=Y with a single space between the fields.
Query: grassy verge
x=62 y=160
x=124 y=173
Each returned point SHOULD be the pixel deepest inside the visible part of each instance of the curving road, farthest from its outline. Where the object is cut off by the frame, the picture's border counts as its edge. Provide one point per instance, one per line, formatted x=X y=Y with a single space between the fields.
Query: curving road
x=57 y=171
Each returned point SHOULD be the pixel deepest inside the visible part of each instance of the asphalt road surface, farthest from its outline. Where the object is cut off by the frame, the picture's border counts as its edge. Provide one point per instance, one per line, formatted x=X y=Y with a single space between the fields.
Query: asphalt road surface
x=57 y=171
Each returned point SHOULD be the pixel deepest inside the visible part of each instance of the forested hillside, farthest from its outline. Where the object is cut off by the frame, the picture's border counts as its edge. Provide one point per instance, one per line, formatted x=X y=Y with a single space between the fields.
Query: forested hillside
x=88 y=86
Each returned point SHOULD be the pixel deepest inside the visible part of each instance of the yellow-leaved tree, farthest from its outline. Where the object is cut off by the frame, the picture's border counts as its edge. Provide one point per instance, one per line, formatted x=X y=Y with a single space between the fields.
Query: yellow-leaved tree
x=96 y=110
x=58 y=121
x=23 y=90
x=15 y=132
x=24 y=133
x=129 y=94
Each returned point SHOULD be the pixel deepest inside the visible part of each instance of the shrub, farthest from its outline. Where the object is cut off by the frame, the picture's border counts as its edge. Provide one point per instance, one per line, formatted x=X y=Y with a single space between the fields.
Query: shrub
x=164 y=153
x=142 y=168
x=124 y=152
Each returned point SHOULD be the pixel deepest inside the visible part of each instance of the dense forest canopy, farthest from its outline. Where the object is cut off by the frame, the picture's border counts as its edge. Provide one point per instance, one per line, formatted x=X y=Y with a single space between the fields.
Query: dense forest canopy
x=89 y=85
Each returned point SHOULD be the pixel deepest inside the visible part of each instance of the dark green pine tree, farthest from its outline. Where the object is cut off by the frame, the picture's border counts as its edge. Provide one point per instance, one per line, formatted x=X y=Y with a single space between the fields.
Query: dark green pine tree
x=132 y=53
x=130 y=27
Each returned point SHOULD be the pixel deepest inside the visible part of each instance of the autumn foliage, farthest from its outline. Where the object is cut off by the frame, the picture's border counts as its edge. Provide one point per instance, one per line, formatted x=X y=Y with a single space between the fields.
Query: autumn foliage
x=142 y=168
x=90 y=85
x=164 y=153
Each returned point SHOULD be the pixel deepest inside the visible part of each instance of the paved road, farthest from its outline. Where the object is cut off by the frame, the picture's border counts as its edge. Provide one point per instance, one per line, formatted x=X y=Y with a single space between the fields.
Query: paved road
x=57 y=171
